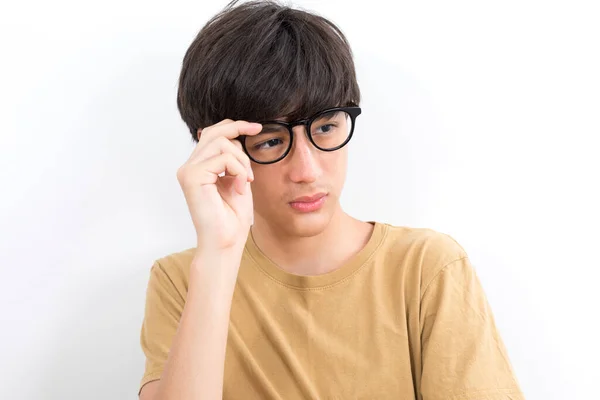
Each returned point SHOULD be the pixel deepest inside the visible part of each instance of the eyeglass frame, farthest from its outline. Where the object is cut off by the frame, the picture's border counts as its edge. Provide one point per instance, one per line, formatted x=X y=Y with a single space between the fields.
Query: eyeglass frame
x=352 y=111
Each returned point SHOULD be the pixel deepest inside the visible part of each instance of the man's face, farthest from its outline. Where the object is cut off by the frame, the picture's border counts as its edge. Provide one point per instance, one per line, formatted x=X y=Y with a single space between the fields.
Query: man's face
x=278 y=189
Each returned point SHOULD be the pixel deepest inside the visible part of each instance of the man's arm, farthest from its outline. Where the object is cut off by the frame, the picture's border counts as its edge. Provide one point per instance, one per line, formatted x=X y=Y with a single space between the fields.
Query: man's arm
x=216 y=184
x=149 y=391
x=196 y=359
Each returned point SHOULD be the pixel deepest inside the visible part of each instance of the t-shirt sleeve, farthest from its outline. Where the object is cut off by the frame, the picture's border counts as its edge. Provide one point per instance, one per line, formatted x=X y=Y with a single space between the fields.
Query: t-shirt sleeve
x=163 y=309
x=463 y=356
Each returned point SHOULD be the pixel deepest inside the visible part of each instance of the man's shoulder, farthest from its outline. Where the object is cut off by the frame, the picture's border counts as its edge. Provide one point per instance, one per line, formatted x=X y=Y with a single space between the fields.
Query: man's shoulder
x=423 y=239
x=424 y=250
x=175 y=267
x=177 y=259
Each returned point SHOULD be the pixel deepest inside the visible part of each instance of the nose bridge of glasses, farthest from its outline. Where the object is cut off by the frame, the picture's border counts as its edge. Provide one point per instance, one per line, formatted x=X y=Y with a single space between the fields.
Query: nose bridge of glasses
x=302 y=137
x=303 y=122
x=301 y=142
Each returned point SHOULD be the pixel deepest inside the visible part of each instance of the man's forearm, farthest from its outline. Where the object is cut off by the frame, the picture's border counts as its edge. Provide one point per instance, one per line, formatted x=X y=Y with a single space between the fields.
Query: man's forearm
x=194 y=369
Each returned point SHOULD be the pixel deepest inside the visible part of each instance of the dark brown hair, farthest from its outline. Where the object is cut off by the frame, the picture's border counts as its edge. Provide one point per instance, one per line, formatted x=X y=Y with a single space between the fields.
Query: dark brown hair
x=260 y=60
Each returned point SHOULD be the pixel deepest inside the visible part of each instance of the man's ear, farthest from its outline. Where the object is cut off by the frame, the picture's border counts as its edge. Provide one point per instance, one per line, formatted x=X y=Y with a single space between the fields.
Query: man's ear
x=198 y=132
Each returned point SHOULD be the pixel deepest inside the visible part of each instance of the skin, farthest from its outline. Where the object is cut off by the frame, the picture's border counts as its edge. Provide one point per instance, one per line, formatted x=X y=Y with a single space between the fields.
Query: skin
x=302 y=243
x=225 y=192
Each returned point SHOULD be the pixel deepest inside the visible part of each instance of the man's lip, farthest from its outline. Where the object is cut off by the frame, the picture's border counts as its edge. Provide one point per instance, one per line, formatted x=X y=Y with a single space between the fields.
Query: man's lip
x=309 y=199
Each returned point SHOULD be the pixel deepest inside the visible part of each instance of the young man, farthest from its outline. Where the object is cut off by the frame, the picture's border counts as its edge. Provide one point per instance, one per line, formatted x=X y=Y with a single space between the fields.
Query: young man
x=285 y=295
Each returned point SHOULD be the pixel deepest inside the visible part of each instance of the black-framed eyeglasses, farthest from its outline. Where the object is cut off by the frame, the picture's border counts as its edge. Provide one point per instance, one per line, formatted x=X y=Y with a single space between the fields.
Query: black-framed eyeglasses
x=327 y=130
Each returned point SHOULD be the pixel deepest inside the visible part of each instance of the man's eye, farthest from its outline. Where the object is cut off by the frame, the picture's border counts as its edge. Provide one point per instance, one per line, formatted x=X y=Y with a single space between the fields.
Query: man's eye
x=268 y=144
x=326 y=128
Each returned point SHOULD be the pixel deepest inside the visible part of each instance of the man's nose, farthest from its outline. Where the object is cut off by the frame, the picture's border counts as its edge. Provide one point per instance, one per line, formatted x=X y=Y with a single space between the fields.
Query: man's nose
x=303 y=160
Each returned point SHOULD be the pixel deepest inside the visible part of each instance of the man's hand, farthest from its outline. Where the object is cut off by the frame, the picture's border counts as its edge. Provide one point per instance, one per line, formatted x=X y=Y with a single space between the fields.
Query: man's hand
x=216 y=184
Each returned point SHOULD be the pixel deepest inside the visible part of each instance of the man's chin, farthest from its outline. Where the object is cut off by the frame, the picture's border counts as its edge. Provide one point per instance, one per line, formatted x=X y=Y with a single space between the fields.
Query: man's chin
x=307 y=224
x=291 y=223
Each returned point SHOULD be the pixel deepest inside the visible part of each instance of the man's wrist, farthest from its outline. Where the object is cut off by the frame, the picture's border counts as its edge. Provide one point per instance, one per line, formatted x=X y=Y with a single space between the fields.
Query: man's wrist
x=215 y=269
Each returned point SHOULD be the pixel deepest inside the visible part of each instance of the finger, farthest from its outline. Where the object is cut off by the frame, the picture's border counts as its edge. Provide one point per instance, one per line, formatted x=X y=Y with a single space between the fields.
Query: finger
x=226 y=128
x=224 y=121
x=228 y=164
x=238 y=145
x=230 y=130
x=229 y=146
x=235 y=147
x=223 y=145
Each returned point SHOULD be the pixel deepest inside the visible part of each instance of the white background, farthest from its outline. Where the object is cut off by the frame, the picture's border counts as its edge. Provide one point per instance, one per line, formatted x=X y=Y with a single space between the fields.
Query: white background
x=480 y=119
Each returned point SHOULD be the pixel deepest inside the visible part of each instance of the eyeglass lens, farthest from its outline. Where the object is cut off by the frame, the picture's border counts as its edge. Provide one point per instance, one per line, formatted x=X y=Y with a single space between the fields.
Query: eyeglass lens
x=328 y=131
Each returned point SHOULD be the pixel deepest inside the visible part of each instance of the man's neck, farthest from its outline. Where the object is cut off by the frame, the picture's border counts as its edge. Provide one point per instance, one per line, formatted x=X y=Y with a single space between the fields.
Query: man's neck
x=316 y=255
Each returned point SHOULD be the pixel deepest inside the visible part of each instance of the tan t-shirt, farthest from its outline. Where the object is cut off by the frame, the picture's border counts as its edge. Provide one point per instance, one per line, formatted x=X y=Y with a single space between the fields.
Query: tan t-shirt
x=406 y=318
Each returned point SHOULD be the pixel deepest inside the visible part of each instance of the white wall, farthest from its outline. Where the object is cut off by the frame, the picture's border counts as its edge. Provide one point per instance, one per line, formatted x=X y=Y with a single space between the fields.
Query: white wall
x=481 y=119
